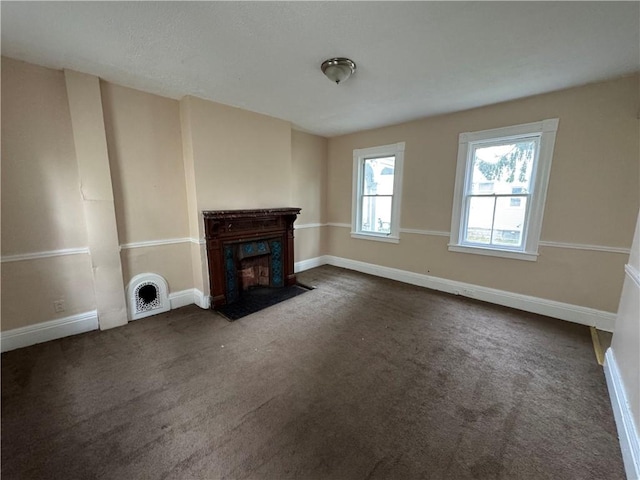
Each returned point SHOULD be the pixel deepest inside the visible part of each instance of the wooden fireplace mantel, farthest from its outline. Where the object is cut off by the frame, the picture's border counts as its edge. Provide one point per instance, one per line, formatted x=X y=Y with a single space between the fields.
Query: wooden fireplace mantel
x=225 y=229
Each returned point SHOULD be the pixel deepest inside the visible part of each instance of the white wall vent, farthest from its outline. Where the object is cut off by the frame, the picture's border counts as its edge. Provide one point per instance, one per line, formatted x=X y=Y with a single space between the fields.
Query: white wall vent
x=147 y=294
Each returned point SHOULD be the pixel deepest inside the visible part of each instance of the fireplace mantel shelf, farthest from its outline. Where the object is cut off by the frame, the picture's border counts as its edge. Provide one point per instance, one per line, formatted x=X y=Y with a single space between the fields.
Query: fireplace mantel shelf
x=225 y=230
x=254 y=213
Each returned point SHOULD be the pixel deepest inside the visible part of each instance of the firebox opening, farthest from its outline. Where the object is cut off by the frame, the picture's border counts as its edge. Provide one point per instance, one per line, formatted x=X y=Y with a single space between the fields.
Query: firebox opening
x=254 y=272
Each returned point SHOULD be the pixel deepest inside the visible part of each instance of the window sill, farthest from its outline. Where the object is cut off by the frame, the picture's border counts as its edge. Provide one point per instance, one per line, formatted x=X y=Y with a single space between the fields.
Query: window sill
x=493 y=252
x=377 y=238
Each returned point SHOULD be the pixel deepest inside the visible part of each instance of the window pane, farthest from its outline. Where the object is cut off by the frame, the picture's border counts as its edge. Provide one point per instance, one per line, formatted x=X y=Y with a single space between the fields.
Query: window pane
x=503 y=168
x=378 y=176
x=508 y=223
x=479 y=220
x=376 y=214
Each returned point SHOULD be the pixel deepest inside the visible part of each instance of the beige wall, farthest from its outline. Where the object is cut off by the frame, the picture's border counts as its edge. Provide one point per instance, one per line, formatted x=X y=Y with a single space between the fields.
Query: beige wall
x=309 y=183
x=30 y=287
x=202 y=155
x=234 y=159
x=41 y=201
x=592 y=198
x=309 y=175
x=241 y=159
x=173 y=262
x=626 y=336
x=145 y=153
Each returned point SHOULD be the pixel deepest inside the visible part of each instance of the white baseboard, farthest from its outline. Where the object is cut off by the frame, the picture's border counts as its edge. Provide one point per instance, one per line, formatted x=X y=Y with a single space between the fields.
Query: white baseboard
x=182 y=298
x=564 y=311
x=628 y=434
x=51 y=330
x=188 y=297
x=81 y=323
x=310 y=263
x=200 y=299
x=42 y=332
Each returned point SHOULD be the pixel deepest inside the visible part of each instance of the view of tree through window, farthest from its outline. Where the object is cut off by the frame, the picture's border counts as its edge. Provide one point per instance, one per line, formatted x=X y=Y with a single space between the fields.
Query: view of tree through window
x=498 y=192
x=377 y=194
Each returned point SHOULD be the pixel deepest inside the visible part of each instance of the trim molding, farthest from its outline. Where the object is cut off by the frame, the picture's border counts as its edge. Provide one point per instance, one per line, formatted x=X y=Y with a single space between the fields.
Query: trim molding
x=308 y=225
x=580 y=246
x=541 y=243
x=493 y=252
x=49 y=253
x=633 y=274
x=172 y=241
x=155 y=243
x=377 y=238
x=188 y=297
x=82 y=322
x=627 y=432
x=551 y=308
x=182 y=298
x=51 y=330
x=201 y=300
x=416 y=231
x=303 y=265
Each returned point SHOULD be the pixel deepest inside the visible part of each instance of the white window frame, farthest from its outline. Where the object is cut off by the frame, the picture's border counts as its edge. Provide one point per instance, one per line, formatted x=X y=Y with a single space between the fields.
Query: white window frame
x=359 y=156
x=545 y=130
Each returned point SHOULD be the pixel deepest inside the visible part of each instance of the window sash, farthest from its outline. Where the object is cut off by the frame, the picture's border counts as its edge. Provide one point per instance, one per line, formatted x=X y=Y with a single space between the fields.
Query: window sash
x=465 y=220
x=390 y=186
x=467 y=195
x=362 y=200
x=364 y=196
x=544 y=133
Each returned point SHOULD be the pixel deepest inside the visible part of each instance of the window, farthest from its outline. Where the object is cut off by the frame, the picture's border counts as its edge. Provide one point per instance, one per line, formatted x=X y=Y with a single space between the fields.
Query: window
x=377 y=185
x=500 y=190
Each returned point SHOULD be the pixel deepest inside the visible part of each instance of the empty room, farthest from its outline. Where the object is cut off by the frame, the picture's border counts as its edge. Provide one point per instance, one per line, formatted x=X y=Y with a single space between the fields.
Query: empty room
x=320 y=240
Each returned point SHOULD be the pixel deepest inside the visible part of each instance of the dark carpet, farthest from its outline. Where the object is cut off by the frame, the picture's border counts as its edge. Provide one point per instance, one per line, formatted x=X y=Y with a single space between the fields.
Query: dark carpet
x=259 y=298
x=361 y=378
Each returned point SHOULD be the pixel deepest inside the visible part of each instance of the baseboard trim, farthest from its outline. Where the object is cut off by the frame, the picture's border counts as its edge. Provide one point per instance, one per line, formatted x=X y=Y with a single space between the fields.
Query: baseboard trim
x=563 y=311
x=51 y=330
x=182 y=298
x=188 y=297
x=82 y=323
x=200 y=299
x=628 y=434
x=303 y=265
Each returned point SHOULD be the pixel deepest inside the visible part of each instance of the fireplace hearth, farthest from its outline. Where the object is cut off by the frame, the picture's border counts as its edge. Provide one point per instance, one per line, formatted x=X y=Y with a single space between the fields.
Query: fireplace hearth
x=248 y=249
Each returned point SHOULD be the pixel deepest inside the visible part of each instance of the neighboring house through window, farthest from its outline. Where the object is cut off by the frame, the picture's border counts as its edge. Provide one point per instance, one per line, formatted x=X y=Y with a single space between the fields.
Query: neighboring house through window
x=377 y=186
x=500 y=189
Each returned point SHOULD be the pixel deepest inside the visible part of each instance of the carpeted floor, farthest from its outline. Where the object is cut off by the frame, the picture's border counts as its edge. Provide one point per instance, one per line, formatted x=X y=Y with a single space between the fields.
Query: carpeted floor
x=361 y=378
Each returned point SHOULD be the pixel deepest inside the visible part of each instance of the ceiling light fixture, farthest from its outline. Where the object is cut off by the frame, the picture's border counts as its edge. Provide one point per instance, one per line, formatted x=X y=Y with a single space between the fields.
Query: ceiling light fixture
x=338 y=69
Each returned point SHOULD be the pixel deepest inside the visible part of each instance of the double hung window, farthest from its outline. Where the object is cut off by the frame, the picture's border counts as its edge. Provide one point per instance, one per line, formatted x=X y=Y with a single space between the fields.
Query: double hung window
x=377 y=184
x=501 y=184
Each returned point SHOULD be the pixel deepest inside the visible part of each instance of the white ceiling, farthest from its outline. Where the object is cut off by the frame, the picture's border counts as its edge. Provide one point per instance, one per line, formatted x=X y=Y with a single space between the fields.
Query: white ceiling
x=415 y=59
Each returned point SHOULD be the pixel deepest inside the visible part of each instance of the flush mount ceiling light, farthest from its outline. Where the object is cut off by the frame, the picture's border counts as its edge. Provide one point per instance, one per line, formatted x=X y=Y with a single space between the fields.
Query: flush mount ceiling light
x=338 y=69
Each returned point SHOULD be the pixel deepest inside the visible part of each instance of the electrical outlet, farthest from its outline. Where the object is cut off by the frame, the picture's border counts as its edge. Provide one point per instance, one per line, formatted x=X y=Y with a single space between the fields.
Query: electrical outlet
x=58 y=306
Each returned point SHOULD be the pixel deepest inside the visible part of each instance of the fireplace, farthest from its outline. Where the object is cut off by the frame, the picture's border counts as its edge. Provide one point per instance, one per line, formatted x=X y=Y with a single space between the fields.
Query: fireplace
x=248 y=249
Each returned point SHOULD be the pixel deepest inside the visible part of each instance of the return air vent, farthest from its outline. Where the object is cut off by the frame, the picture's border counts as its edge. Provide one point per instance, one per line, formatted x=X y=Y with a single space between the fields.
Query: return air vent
x=147 y=295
